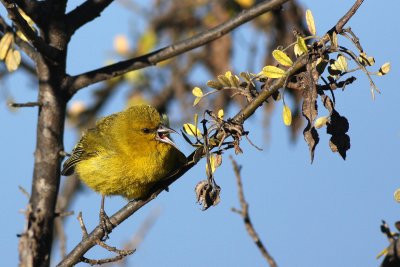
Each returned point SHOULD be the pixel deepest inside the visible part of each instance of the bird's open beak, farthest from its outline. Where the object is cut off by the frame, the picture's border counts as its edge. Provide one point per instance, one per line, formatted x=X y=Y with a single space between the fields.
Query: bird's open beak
x=162 y=135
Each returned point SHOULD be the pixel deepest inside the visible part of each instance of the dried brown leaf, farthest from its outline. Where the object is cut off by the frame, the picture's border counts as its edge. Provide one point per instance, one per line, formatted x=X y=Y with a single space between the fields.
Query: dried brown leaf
x=310 y=110
x=207 y=195
x=338 y=127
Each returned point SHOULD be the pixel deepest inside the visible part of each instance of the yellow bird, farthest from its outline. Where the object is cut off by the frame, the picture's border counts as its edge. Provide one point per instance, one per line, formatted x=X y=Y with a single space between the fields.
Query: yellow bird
x=126 y=154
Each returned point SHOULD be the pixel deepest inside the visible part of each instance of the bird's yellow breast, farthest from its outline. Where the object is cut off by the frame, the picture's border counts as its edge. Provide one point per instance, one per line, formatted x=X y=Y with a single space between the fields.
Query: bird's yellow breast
x=130 y=173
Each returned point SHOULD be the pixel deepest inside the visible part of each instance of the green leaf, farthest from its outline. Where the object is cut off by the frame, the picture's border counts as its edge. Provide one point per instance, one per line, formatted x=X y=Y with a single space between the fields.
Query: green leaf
x=214 y=84
x=310 y=22
x=282 y=58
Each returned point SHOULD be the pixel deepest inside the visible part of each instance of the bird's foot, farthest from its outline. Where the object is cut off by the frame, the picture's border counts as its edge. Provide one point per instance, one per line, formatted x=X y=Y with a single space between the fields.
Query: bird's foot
x=105 y=224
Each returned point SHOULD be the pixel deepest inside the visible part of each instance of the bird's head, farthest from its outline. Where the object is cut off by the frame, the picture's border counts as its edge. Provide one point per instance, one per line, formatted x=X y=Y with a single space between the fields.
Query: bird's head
x=151 y=125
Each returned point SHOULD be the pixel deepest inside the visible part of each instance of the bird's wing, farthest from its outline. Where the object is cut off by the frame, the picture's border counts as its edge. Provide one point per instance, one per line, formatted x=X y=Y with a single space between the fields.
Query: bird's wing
x=79 y=153
x=91 y=143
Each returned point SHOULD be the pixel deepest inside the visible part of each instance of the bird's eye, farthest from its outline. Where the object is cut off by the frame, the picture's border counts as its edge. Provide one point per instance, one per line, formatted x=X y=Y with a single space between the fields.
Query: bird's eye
x=146 y=130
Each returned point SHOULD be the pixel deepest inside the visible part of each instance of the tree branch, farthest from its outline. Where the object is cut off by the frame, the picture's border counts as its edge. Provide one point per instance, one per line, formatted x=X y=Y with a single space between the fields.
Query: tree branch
x=85 y=79
x=244 y=212
x=85 y=13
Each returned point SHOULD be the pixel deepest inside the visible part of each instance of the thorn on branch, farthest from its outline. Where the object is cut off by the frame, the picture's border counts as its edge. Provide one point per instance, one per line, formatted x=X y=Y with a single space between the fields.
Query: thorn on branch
x=63 y=214
x=121 y=252
x=23 y=190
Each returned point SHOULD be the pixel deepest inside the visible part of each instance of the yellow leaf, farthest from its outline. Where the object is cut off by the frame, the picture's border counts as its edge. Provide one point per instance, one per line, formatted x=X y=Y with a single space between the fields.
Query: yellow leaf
x=397 y=195
x=22 y=36
x=235 y=81
x=321 y=122
x=302 y=44
x=232 y=79
x=228 y=74
x=196 y=101
x=297 y=50
x=197 y=92
x=272 y=72
x=13 y=59
x=341 y=63
x=191 y=129
x=366 y=60
x=221 y=114
x=310 y=22
x=245 y=3
x=224 y=80
x=371 y=61
x=282 y=58
x=385 y=68
x=121 y=44
x=212 y=163
x=287 y=115
x=27 y=18
x=382 y=253
x=5 y=44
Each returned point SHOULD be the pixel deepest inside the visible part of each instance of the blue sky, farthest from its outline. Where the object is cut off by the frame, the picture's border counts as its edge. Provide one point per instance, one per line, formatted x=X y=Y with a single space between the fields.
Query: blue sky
x=324 y=214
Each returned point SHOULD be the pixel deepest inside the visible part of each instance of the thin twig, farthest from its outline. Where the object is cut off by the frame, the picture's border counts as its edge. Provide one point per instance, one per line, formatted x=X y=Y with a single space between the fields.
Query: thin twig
x=85 y=79
x=23 y=190
x=121 y=252
x=24 y=105
x=244 y=212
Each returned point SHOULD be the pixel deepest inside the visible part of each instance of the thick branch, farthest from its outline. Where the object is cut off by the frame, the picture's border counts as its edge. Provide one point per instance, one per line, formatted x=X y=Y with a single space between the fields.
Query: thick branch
x=82 y=80
x=85 y=13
